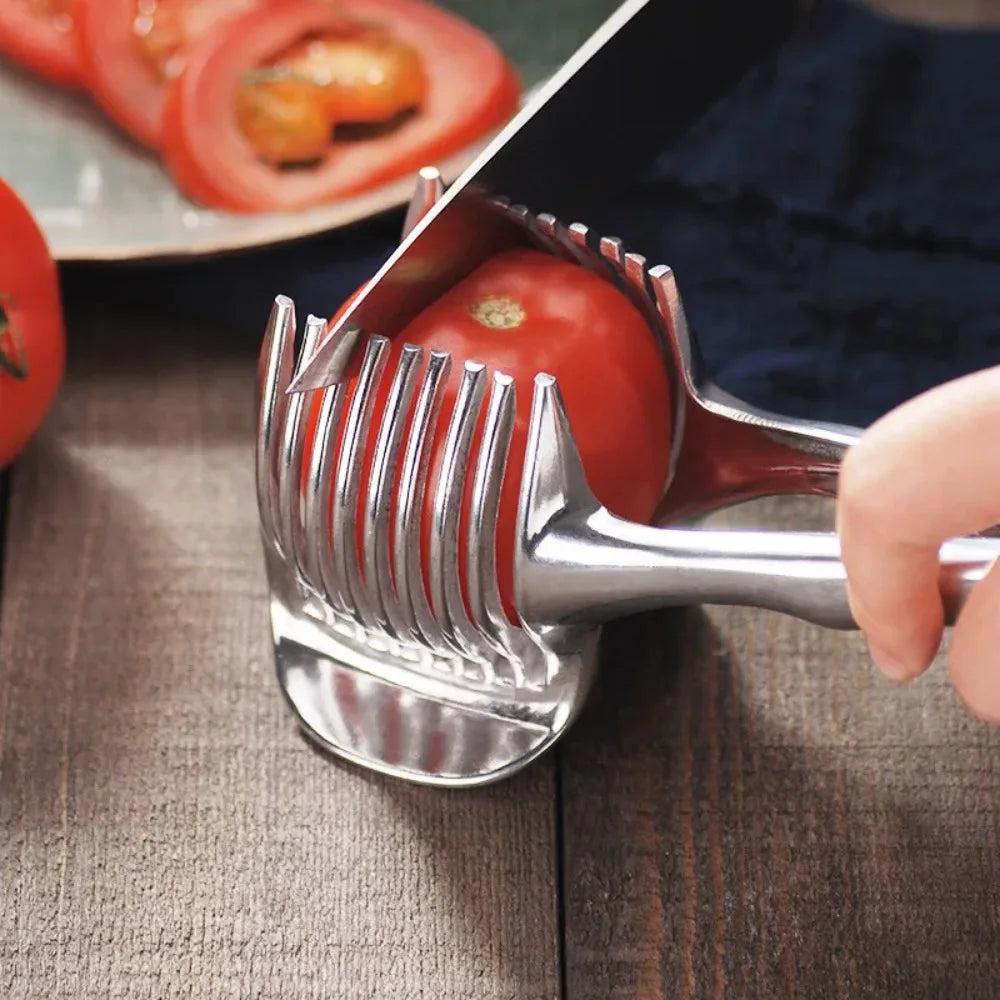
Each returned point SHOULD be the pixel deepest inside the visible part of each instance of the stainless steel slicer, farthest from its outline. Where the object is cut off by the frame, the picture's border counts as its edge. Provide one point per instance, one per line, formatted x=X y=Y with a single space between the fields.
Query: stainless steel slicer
x=434 y=683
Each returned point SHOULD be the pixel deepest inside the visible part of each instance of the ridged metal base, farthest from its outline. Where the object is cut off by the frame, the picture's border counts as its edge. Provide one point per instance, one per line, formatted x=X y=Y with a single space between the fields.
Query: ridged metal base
x=401 y=711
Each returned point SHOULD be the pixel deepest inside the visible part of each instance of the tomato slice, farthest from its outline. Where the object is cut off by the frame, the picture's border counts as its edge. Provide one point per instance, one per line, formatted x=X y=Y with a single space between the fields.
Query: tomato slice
x=119 y=69
x=471 y=89
x=523 y=312
x=39 y=35
x=32 y=341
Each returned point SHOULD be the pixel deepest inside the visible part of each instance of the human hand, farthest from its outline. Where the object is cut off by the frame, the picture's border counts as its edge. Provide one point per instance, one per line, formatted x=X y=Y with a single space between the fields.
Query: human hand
x=927 y=471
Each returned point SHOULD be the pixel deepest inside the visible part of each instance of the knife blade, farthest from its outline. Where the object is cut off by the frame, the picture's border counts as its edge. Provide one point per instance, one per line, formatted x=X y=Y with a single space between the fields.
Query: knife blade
x=640 y=80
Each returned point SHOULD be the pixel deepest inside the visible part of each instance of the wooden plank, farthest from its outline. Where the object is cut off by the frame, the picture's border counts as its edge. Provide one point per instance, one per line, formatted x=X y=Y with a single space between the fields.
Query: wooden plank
x=750 y=811
x=163 y=829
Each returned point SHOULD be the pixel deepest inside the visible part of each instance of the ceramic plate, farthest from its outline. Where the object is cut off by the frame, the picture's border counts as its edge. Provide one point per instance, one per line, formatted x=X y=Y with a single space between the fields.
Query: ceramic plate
x=99 y=196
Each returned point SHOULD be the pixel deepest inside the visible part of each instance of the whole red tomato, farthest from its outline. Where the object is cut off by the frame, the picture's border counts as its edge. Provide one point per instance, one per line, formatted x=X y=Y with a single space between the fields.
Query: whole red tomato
x=32 y=341
x=523 y=312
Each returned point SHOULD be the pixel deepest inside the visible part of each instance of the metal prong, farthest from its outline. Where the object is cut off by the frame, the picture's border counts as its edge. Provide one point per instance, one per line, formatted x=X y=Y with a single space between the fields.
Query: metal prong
x=329 y=361
x=538 y=235
x=553 y=478
x=629 y=271
x=671 y=309
x=536 y=229
x=378 y=503
x=347 y=563
x=547 y=230
x=484 y=589
x=412 y=485
x=290 y=513
x=446 y=586
x=426 y=194
x=579 y=236
x=613 y=253
x=319 y=498
x=310 y=340
x=613 y=250
x=520 y=214
x=579 y=241
x=274 y=372
x=573 y=243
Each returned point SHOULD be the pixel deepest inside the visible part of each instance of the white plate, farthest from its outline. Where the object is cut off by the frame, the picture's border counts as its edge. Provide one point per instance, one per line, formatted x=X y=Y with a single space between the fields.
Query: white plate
x=99 y=196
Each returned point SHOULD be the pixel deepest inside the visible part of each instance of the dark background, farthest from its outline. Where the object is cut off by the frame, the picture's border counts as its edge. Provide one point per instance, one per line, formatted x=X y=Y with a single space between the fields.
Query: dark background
x=833 y=223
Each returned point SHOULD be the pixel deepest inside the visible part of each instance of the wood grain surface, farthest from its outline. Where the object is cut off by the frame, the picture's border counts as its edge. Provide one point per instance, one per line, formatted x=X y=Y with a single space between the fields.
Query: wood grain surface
x=745 y=810
x=164 y=831
x=749 y=810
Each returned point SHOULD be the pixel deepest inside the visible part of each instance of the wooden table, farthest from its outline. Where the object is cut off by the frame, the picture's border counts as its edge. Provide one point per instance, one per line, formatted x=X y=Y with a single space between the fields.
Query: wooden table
x=746 y=809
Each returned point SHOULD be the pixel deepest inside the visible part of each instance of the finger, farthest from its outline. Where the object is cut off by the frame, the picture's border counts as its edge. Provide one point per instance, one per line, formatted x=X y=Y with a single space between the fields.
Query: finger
x=974 y=656
x=927 y=471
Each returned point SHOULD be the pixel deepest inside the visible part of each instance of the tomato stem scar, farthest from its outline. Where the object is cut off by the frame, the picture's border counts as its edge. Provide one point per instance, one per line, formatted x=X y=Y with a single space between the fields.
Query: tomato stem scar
x=498 y=312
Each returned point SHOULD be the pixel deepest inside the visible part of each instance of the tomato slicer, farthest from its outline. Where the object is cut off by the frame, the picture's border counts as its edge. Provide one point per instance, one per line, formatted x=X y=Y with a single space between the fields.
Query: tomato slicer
x=436 y=684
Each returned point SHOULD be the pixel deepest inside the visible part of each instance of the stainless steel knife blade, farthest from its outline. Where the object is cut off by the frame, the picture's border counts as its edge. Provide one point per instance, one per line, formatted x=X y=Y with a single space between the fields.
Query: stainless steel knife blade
x=643 y=77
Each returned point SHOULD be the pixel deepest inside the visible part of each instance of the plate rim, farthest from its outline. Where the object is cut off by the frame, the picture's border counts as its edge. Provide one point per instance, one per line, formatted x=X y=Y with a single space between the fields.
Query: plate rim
x=272 y=229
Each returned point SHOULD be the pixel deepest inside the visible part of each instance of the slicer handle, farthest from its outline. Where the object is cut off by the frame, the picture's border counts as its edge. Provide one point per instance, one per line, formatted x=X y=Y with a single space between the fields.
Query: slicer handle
x=610 y=568
x=733 y=451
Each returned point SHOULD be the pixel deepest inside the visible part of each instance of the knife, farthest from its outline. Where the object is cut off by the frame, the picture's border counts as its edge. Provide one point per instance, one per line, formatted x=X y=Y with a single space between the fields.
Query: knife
x=641 y=79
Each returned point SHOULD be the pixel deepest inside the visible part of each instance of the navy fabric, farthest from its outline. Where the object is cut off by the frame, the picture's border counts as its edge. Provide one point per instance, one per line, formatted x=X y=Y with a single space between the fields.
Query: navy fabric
x=834 y=224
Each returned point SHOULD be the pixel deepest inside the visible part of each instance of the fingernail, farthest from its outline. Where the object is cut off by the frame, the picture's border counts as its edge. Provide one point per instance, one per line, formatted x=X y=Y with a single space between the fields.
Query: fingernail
x=893 y=666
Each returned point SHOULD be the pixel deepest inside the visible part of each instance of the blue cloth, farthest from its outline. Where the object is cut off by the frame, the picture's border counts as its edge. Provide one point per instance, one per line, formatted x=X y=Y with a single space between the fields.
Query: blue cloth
x=834 y=224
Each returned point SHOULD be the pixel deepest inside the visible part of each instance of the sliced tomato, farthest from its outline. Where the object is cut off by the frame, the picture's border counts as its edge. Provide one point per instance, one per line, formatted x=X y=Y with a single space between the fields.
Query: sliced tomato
x=523 y=312
x=119 y=66
x=471 y=89
x=32 y=341
x=39 y=35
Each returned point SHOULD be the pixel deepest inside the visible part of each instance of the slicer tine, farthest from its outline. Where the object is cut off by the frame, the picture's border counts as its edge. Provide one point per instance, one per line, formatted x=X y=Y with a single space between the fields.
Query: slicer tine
x=347 y=564
x=670 y=307
x=319 y=540
x=378 y=503
x=553 y=478
x=634 y=272
x=426 y=194
x=329 y=361
x=484 y=589
x=310 y=341
x=413 y=480
x=292 y=448
x=447 y=601
x=628 y=270
x=579 y=241
x=274 y=372
x=612 y=251
x=574 y=246
x=548 y=230
x=521 y=215
x=530 y=224
x=635 y=278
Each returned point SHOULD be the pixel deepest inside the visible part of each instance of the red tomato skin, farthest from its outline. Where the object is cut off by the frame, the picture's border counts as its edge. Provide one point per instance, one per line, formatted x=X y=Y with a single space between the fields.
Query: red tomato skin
x=610 y=369
x=30 y=284
x=115 y=70
x=212 y=163
x=39 y=47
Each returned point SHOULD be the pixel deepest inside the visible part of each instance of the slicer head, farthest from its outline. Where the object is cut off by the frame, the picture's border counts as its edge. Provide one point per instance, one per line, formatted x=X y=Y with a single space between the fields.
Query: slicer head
x=437 y=685
x=434 y=683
